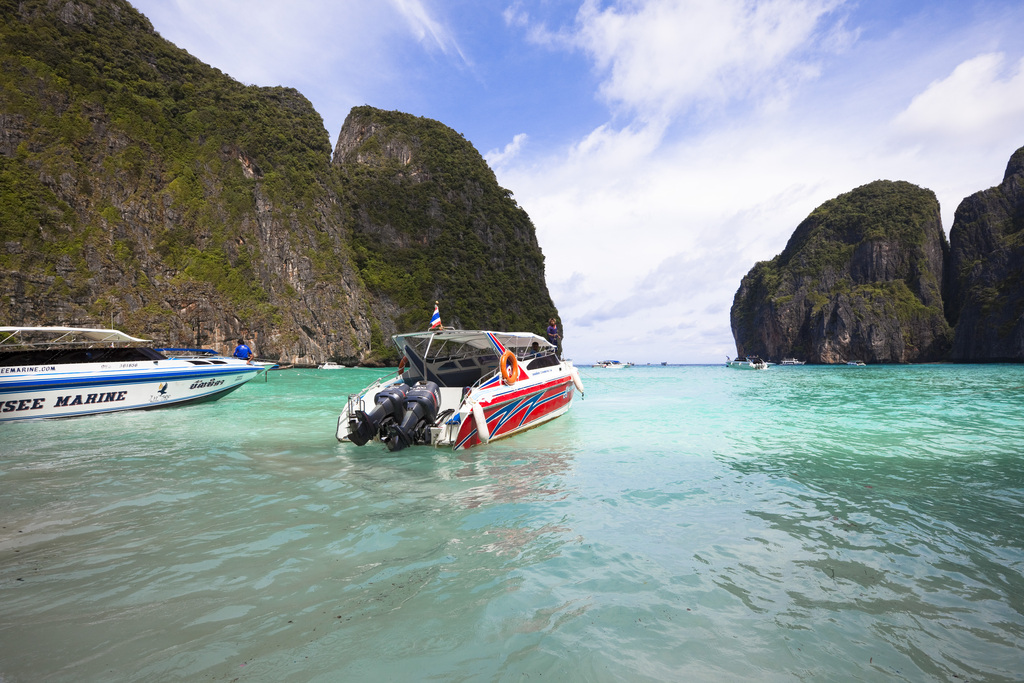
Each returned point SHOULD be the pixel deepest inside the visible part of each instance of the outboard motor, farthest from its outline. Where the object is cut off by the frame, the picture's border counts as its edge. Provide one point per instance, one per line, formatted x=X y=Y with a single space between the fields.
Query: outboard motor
x=421 y=406
x=389 y=402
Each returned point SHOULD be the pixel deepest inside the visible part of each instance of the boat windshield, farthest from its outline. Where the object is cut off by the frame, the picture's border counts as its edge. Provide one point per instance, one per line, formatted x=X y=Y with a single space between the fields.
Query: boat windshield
x=64 y=345
x=64 y=356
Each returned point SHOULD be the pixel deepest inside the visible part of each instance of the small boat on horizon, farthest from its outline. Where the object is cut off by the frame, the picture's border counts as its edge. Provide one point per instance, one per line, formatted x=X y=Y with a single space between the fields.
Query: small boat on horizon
x=331 y=365
x=461 y=388
x=49 y=372
x=791 y=361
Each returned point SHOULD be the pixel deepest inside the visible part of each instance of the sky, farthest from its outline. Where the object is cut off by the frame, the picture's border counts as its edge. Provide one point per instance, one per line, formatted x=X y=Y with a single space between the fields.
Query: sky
x=660 y=147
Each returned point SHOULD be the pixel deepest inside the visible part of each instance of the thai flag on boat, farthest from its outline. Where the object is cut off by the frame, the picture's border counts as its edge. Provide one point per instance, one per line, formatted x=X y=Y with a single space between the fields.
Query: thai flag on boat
x=435 y=320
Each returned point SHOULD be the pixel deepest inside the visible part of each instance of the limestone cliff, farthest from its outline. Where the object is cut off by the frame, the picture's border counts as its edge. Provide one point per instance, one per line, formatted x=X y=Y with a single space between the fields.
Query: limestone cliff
x=146 y=190
x=143 y=189
x=430 y=223
x=859 y=279
x=986 y=271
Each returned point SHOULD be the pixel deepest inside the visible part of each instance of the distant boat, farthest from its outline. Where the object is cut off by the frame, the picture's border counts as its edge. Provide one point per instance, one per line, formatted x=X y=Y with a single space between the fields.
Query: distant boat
x=331 y=365
x=612 y=364
x=748 y=363
x=664 y=362
x=855 y=362
x=791 y=361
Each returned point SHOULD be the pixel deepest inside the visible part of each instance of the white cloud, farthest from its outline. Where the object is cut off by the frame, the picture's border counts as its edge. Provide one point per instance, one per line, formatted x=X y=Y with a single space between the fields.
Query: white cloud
x=980 y=102
x=497 y=158
x=514 y=15
x=660 y=238
x=665 y=56
x=427 y=29
x=263 y=42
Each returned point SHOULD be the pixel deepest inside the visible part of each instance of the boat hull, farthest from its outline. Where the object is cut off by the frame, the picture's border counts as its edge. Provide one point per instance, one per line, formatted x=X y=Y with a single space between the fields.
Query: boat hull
x=71 y=391
x=515 y=412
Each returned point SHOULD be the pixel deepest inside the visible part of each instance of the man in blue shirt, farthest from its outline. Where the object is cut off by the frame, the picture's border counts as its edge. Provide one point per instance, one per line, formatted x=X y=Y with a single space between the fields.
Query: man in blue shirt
x=242 y=351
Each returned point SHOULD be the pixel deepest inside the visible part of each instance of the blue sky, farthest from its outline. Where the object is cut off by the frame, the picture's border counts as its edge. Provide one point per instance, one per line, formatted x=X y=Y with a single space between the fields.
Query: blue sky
x=661 y=147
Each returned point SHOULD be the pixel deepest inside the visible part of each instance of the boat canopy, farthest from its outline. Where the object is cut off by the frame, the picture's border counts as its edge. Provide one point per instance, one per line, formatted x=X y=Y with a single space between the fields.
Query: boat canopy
x=461 y=357
x=56 y=336
x=460 y=343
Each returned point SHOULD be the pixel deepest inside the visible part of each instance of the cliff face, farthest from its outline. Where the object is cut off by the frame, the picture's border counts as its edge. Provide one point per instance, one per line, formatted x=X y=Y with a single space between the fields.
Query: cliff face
x=430 y=223
x=146 y=190
x=986 y=273
x=859 y=279
x=143 y=189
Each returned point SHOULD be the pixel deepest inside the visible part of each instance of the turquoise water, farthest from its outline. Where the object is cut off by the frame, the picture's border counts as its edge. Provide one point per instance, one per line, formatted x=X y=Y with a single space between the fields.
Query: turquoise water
x=679 y=523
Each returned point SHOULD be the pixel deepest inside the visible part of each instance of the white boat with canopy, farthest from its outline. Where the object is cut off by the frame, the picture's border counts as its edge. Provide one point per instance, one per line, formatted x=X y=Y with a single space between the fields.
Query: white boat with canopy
x=612 y=364
x=50 y=372
x=747 y=363
x=461 y=388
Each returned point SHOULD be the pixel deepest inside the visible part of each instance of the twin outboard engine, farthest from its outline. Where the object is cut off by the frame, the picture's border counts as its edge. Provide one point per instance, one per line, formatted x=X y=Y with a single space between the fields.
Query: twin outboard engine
x=389 y=403
x=421 y=405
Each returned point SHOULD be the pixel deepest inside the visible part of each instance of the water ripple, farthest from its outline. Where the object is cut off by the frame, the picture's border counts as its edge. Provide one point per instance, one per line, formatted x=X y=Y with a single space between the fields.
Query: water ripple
x=677 y=524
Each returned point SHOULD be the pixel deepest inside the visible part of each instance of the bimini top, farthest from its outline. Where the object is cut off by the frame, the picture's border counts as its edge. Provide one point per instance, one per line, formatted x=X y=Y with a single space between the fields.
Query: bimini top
x=459 y=358
x=57 y=336
x=446 y=342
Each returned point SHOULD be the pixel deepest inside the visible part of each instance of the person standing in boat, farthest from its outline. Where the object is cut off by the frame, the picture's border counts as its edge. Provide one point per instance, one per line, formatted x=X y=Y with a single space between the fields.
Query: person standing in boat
x=553 y=336
x=243 y=351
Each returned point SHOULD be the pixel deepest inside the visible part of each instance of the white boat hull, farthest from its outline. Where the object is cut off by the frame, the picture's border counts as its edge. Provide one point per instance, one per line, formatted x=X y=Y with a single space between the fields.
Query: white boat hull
x=83 y=389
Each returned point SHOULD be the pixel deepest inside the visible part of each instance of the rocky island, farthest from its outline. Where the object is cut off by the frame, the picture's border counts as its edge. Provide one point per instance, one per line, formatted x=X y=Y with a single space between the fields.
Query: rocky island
x=870 y=275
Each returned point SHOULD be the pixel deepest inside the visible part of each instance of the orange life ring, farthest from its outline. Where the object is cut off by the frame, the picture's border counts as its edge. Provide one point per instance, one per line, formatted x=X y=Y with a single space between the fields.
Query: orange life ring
x=401 y=364
x=509 y=368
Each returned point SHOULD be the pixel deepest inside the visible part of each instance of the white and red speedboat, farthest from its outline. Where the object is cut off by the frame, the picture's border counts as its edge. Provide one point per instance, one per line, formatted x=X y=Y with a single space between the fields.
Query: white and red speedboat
x=460 y=388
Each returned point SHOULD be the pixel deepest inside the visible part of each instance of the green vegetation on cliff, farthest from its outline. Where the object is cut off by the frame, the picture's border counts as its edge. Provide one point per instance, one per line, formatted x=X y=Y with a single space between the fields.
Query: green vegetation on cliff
x=142 y=187
x=883 y=210
x=107 y=116
x=430 y=222
x=985 y=287
x=860 y=277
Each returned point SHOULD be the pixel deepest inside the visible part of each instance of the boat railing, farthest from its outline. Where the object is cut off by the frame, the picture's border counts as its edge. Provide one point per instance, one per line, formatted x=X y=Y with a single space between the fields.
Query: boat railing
x=357 y=401
x=484 y=379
